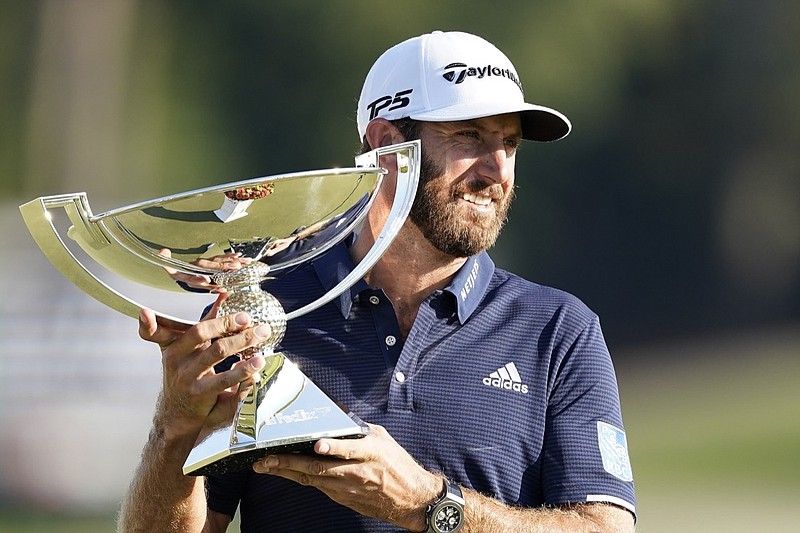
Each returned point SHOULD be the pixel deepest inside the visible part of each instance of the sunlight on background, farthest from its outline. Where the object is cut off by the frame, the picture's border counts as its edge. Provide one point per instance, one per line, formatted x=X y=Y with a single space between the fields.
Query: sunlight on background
x=673 y=210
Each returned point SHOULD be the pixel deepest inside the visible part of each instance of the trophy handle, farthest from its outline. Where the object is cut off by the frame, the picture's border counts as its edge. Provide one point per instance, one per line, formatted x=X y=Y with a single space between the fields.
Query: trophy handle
x=37 y=217
x=408 y=165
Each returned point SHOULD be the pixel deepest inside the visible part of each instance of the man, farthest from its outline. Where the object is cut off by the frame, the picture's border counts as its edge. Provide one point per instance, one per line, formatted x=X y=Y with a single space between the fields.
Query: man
x=493 y=399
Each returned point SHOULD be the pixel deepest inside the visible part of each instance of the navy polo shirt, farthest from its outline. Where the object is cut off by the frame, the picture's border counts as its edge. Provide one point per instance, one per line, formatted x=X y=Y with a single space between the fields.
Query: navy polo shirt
x=503 y=385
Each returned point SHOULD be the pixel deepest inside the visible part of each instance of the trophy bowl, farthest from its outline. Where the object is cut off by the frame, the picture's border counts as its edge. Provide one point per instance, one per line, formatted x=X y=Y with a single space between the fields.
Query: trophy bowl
x=272 y=224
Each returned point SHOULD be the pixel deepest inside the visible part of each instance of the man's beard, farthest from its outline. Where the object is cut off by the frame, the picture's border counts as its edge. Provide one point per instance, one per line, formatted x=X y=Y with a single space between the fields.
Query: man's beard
x=445 y=225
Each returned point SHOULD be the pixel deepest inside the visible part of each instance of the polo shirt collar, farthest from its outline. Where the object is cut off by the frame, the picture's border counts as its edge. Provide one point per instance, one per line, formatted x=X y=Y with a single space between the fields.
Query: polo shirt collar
x=468 y=286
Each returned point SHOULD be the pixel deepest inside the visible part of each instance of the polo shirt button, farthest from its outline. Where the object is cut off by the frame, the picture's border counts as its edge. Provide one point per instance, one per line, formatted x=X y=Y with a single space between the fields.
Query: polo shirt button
x=400 y=377
x=374 y=300
x=390 y=340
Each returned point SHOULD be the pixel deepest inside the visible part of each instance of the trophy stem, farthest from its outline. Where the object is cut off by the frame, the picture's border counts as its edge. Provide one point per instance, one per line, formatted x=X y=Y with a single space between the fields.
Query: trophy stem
x=244 y=293
x=258 y=407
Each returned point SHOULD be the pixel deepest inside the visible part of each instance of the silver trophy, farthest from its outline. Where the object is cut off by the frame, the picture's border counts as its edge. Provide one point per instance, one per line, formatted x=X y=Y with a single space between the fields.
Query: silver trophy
x=277 y=223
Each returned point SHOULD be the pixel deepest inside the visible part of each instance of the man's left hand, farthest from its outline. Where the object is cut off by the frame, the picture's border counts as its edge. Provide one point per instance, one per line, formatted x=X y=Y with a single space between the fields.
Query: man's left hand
x=372 y=475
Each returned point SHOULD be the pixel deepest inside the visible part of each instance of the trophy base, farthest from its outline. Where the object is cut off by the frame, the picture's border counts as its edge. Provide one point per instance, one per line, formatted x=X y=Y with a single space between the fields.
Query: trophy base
x=292 y=413
x=243 y=460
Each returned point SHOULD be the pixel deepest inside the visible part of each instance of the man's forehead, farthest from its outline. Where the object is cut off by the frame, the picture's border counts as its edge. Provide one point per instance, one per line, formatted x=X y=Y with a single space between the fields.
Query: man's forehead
x=508 y=124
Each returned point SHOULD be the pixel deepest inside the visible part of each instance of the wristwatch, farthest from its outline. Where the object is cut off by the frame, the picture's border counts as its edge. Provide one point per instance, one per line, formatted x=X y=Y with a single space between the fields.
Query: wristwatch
x=446 y=515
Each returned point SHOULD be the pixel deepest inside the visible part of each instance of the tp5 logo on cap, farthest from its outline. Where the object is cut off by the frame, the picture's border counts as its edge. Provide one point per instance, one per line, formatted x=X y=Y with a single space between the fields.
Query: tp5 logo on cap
x=399 y=101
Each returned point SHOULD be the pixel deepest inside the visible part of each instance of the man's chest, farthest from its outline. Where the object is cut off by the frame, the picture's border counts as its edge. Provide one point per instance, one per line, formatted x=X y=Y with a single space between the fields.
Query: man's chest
x=466 y=386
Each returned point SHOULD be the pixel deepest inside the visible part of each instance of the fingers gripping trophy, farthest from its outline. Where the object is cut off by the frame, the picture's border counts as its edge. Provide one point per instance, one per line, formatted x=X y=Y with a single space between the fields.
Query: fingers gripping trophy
x=264 y=227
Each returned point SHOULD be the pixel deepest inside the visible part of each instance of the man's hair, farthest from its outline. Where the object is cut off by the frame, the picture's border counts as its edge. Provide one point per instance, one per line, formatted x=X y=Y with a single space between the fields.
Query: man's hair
x=410 y=129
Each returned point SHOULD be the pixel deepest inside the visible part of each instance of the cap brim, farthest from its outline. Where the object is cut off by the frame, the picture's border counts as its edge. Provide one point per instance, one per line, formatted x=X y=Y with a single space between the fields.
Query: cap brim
x=544 y=125
x=539 y=123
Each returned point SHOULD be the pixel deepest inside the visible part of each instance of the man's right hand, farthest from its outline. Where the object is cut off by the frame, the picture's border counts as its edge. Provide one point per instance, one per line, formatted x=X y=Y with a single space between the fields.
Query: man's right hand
x=194 y=397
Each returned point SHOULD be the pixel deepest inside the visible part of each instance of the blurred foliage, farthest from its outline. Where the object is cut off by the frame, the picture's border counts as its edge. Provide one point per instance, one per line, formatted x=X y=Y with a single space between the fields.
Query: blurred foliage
x=672 y=208
x=31 y=521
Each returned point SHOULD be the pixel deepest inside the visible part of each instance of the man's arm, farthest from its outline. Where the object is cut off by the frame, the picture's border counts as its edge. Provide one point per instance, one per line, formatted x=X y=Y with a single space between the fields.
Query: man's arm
x=193 y=399
x=484 y=514
x=160 y=497
x=376 y=477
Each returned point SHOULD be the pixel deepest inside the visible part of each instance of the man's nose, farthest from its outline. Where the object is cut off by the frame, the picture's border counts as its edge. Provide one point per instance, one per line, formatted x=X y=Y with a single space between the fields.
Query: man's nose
x=497 y=164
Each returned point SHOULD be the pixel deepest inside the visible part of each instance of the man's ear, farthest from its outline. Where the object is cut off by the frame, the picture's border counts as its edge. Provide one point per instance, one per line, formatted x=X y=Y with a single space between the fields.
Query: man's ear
x=381 y=132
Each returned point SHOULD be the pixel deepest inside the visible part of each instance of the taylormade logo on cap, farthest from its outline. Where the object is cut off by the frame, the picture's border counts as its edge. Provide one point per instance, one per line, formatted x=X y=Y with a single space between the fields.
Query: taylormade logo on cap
x=458 y=72
x=451 y=76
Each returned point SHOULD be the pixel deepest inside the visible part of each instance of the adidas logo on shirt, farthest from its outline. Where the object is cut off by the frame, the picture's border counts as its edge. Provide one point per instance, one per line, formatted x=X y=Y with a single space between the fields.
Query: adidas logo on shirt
x=506 y=377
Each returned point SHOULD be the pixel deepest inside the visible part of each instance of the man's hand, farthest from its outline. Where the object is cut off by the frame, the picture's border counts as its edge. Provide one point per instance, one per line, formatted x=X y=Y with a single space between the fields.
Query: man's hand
x=373 y=476
x=193 y=395
x=224 y=262
x=193 y=398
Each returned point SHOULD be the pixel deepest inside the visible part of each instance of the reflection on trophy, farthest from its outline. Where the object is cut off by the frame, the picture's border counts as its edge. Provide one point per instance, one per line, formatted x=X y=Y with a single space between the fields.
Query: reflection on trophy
x=236 y=201
x=273 y=224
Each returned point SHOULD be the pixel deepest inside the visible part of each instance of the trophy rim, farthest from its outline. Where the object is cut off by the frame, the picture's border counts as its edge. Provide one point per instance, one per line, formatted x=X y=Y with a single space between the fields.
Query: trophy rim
x=336 y=171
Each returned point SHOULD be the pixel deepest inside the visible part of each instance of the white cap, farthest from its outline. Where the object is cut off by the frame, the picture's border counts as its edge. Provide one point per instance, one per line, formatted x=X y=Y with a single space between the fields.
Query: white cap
x=450 y=76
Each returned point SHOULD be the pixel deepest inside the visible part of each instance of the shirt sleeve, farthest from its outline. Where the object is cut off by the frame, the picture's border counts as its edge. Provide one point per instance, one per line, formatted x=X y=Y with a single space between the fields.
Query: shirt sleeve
x=224 y=491
x=585 y=455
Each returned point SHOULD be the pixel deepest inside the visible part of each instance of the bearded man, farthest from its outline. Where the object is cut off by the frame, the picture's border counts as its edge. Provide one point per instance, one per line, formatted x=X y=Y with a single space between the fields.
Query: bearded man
x=492 y=400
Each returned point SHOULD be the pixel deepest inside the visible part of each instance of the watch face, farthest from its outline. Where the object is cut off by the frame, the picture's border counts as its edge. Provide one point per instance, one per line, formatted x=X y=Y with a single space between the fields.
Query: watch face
x=447 y=518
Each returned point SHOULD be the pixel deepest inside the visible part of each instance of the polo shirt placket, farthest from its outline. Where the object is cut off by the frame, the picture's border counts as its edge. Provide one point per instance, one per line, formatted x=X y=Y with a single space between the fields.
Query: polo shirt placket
x=401 y=388
x=392 y=346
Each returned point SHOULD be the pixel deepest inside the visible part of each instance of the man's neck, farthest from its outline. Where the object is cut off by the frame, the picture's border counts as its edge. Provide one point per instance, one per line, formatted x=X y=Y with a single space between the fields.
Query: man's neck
x=410 y=271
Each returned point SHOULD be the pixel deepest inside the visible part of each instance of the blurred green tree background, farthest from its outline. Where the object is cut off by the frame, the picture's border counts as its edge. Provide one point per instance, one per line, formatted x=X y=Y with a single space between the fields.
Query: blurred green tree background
x=673 y=208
